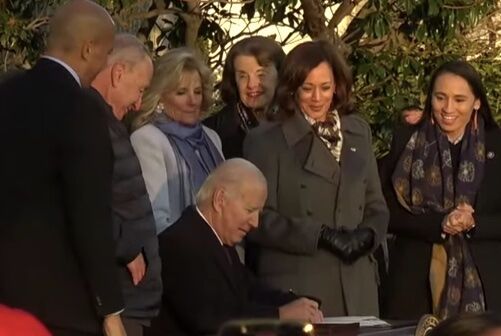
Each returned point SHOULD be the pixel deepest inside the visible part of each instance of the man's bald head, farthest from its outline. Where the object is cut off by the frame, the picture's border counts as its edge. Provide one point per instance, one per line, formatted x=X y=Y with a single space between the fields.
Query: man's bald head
x=81 y=35
x=232 y=175
x=77 y=20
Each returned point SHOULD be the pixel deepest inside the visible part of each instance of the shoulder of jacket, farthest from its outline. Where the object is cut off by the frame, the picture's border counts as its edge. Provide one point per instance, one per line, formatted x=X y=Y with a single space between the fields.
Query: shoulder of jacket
x=269 y=136
x=210 y=132
x=220 y=117
x=357 y=122
x=146 y=131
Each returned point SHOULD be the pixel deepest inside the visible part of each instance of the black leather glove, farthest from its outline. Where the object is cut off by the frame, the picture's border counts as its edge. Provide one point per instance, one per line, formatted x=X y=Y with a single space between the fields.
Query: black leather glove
x=347 y=245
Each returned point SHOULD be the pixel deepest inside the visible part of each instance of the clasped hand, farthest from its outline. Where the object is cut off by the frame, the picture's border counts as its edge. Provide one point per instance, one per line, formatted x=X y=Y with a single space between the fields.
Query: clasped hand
x=347 y=245
x=459 y=220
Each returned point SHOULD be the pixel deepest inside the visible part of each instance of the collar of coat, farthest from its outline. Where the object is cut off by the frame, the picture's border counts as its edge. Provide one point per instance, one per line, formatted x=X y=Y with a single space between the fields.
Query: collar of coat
x=296 y=127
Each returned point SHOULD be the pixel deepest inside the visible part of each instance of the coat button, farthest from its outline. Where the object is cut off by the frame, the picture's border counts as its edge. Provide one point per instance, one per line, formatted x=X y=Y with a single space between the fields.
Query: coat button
x=309 y=212
x=302 y=186
x=360 y=208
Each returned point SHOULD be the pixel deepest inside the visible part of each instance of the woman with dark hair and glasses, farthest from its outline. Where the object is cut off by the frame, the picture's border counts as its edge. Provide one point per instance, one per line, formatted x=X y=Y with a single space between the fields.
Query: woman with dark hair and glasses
x=325 y=213
x=248 y=88
x=442 y=188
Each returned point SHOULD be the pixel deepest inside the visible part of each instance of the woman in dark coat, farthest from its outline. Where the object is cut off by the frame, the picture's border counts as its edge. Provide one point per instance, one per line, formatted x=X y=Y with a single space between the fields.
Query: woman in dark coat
x=248 y=88
x=325 y=211
x=442 y=184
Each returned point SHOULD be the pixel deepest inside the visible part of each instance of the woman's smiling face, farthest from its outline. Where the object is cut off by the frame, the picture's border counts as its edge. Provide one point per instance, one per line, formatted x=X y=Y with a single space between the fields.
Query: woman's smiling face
x=452 y=104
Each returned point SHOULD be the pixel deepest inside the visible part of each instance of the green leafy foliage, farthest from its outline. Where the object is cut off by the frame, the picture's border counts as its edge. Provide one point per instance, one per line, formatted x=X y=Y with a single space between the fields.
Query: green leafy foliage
x=405 y=42
x=393 y=46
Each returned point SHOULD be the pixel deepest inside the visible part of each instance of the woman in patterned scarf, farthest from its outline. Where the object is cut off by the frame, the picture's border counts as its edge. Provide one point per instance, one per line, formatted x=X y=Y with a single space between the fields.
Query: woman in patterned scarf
x=325 y=212
x=175 y=150
x=442 y=192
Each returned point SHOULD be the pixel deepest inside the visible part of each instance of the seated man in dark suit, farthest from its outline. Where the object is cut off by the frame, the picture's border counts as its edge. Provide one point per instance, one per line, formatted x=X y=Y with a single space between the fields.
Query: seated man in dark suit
x=205 y=283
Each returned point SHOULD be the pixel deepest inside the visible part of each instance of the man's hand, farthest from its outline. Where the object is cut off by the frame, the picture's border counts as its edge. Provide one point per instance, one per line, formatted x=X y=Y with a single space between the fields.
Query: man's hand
x=302 y=309
x=137 y=269
x=112 y=326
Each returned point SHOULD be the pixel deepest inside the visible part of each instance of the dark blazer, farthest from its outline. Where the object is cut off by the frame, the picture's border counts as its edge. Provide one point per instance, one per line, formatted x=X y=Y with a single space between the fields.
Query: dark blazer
x=226 y=123
x=204 y=282
x=416 y=234
x=133 y=223
x=307 y=188
x=56 y=245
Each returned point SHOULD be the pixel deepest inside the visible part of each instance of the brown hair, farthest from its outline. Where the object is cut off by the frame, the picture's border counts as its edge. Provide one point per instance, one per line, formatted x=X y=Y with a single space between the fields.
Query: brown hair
x=298 y=64
x=264 y=49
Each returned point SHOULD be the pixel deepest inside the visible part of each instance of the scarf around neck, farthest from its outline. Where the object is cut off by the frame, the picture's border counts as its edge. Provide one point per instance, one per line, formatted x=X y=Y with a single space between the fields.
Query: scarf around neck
x=329 y=131
x=424 y=181
x=192 y=145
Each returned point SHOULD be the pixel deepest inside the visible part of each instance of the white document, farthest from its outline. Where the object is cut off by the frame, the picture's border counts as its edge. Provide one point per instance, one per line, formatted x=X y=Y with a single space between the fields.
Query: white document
x=363 y=321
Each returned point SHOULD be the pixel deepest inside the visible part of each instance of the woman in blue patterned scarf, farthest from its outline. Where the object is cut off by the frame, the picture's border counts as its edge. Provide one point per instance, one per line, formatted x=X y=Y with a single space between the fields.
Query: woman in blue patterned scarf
x=175 y=150
x=442 y=191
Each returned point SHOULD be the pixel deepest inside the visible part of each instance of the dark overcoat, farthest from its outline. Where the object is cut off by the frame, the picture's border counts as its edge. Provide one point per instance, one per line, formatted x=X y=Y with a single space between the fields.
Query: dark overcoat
x=56 y=246
x=307 y=188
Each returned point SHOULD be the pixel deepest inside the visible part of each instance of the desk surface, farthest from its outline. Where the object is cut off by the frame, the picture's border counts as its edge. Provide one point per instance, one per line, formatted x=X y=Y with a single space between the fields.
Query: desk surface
x=398 y=328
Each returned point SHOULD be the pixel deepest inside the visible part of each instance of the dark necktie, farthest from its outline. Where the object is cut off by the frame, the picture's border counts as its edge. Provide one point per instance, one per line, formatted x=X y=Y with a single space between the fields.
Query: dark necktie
x=227 y=251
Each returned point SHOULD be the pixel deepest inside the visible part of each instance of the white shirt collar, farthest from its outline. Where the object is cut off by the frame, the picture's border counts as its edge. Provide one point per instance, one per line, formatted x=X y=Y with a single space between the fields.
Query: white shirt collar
x=205 y=219
x=66 y=66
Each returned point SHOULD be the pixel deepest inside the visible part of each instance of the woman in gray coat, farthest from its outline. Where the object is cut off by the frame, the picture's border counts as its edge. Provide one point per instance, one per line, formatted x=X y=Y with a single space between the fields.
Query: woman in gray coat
x=325 y=212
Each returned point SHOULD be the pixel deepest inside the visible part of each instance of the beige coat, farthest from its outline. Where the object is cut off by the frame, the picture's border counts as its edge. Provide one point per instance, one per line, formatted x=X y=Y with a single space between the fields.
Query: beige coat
x=308 y=188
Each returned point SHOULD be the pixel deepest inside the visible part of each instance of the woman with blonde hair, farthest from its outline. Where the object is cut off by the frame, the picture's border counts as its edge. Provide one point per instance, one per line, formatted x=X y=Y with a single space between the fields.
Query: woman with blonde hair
x=175 y=150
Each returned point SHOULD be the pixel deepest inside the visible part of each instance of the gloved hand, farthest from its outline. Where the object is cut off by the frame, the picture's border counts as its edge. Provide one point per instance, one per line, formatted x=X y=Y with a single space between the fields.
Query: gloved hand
x=347 y=245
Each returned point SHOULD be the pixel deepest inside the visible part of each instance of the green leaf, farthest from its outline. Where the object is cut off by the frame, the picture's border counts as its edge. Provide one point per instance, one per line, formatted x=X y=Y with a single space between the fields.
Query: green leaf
x=433 y=7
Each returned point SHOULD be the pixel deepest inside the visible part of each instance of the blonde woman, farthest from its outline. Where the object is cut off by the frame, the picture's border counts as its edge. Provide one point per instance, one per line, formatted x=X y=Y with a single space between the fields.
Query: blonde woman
x=176 y=152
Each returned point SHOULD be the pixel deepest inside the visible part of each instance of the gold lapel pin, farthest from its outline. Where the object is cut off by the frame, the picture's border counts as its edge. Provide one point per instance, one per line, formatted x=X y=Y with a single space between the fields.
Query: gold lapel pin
x=490 y=155
x=353 y=149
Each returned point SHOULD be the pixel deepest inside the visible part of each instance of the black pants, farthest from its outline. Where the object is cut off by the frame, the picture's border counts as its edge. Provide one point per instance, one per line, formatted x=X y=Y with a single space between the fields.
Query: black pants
x=134 y=327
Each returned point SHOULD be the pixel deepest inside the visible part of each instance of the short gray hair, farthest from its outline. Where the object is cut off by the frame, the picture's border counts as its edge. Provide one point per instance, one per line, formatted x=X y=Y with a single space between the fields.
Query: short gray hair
x=231 y=174
x=129 y=49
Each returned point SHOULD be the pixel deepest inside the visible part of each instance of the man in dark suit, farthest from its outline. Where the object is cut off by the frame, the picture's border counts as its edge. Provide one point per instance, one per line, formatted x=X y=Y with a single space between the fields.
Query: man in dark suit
x=119 y=89
x=205 y=283
x=56 y=246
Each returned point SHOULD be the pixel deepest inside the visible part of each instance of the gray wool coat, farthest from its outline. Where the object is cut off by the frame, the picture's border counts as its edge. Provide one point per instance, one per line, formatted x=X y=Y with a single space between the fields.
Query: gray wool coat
x=308 y=188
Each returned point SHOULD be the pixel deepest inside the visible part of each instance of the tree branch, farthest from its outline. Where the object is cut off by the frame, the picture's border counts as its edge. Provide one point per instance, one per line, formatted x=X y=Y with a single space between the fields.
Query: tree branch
x=193 y=19
x=38 y=22
x=314 y=18
x=156 y=12
x=344 y=9
x=206 y=3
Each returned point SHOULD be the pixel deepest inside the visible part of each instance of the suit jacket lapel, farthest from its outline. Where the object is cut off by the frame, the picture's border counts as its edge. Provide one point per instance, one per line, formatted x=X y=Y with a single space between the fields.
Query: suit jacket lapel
x=309 y=149
x=218 y=252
